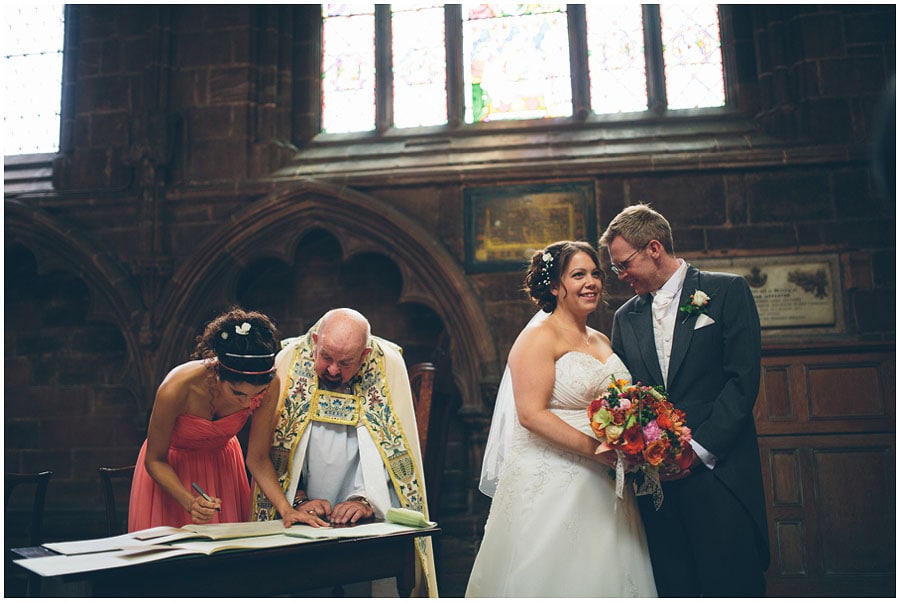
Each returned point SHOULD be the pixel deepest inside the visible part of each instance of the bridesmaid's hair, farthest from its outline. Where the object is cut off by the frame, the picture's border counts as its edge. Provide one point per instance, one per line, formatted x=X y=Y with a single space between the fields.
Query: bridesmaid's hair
x=546 y=267
x=244 y=343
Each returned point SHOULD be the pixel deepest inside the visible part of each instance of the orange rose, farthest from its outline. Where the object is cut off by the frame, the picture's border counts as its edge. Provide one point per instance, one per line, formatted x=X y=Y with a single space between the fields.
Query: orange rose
x=655 y=452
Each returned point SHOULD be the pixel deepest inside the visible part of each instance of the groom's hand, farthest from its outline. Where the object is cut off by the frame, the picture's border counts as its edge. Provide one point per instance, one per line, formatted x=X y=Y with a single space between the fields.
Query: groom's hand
x=684 y=473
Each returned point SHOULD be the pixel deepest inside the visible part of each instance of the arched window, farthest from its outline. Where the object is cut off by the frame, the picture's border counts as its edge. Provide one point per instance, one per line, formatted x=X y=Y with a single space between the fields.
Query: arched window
x=431 y=64
x=32 y=77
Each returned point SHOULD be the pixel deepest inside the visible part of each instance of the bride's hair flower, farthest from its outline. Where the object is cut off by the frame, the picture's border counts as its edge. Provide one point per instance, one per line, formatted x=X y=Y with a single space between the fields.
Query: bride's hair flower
x=547 y=259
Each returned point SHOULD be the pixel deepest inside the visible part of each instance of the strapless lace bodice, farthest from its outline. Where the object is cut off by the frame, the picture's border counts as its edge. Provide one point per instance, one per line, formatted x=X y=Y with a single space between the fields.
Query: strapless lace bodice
x=580 y=378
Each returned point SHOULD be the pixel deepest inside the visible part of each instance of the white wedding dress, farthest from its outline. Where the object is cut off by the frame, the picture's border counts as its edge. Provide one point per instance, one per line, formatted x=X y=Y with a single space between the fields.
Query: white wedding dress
x=556 y=527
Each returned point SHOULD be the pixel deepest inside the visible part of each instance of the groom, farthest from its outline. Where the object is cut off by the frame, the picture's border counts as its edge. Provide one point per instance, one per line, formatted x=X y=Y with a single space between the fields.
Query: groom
x=698 y=334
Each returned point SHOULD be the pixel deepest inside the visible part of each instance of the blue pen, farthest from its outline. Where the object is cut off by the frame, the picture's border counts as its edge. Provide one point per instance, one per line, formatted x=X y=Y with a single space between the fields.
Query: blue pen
x=203 y=493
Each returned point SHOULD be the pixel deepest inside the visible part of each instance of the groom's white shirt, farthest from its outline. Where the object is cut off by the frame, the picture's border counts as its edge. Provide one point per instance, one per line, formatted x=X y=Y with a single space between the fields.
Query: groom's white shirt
x=663 y=334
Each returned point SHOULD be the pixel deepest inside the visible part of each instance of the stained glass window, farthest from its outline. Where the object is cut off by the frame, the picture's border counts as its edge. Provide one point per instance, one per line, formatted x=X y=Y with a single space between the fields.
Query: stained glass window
x=504 y=61
x=516 y=61
x=348 y=67
x=419 y=60
x=616 y=62
x=32 y=77
x=693 y=56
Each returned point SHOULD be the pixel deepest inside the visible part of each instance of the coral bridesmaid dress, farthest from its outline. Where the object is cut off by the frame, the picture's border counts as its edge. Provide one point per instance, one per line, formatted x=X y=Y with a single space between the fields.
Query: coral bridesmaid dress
x=203 y=451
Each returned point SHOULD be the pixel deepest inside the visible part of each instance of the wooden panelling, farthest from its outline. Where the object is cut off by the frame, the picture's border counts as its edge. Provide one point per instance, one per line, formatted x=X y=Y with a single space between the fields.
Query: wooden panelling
x=791 y=556
x=841 y=391
x=834 y=391
x=777 y=393
x=855 y=502
x=785 y=484
x=827 y=444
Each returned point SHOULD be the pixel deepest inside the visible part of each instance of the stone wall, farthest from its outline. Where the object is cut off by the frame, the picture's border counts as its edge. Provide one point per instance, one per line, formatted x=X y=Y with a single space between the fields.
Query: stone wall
x=189 y=179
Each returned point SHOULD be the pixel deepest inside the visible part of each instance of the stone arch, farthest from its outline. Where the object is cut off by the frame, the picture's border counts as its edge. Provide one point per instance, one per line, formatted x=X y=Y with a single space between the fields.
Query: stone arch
x=115 y=297
x=273 y=226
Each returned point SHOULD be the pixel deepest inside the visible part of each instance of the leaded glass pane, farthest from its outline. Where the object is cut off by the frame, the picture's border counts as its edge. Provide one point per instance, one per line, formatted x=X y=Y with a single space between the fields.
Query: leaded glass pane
x=420 y=65
x=32 y=77
x=348 y=68
x=516 y=61
x=616 y=62
x=693 y=56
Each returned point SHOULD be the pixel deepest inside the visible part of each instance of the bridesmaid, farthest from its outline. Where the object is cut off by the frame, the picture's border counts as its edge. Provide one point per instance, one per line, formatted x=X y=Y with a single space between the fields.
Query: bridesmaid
x=200 y=407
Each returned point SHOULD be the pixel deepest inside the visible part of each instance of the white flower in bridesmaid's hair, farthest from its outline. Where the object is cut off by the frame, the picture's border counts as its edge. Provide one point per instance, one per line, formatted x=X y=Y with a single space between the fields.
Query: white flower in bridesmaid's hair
x=243 y=329
x=696 y=305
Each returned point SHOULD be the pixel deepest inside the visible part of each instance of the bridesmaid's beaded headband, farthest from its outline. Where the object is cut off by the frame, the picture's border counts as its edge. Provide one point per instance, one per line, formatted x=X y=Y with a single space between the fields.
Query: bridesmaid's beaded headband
x=235 y=370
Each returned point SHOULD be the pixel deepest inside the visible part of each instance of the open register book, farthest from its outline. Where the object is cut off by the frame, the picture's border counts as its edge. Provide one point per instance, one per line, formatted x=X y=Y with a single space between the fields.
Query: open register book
x=161 y=535
x=159 y=543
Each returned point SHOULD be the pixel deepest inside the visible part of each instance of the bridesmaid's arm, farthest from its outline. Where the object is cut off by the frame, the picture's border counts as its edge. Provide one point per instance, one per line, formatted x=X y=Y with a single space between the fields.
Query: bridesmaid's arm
x=259 y=461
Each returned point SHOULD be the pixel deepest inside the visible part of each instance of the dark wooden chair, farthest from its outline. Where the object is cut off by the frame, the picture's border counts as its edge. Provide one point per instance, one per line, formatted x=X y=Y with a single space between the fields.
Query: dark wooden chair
x=421 y=381
x=39 y=481
x=109 y=477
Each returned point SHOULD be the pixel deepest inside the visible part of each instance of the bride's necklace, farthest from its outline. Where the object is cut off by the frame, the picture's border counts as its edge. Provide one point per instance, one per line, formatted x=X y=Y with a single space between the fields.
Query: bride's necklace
x=584 y=338
x=572 y=331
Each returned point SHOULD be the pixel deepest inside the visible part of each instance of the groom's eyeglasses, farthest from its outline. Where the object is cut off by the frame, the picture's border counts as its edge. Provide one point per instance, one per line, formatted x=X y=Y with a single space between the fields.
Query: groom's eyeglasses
x=618 y=268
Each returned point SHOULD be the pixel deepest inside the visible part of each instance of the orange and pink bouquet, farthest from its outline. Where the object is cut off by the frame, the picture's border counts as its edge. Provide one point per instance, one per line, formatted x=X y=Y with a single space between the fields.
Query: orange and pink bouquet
x=647 y=432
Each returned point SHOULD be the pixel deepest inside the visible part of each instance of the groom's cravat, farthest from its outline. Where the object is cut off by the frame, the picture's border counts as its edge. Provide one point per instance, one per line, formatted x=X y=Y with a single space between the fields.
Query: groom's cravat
x=661 y=301
x=663 y=328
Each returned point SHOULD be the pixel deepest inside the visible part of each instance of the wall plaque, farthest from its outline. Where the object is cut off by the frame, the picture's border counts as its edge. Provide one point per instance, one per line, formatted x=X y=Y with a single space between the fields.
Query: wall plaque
x=791 y=292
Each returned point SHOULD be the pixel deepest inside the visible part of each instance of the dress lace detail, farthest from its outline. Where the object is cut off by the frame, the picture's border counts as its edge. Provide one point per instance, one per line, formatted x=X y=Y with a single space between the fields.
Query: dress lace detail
x=525 y=551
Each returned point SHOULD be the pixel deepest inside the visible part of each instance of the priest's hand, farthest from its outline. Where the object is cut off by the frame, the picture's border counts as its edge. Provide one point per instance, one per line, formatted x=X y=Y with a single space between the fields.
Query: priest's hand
x=354 y=510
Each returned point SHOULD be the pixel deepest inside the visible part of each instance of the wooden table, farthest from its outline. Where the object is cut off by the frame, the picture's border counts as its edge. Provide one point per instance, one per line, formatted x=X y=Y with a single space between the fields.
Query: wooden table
x=262 y=572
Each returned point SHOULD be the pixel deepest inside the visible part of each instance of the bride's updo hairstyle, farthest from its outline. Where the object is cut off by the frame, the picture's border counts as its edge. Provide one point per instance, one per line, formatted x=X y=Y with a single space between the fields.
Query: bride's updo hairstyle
x=243 y=343
x=546 y=266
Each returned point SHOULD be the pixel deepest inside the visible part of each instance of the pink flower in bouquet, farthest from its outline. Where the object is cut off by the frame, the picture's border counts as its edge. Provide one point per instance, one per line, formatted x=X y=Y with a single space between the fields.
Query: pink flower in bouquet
x=652 y=432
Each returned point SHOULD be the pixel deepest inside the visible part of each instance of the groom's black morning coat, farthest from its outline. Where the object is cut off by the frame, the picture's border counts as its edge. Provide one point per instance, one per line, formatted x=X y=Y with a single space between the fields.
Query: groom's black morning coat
x=714 y=374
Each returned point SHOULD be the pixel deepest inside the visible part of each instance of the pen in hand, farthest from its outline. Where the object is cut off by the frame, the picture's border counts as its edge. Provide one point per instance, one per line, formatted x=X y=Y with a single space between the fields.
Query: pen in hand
x=203 y=493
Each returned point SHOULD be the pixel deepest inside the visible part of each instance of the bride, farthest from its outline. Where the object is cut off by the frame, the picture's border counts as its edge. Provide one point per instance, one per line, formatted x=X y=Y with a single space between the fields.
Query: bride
x=556 y=527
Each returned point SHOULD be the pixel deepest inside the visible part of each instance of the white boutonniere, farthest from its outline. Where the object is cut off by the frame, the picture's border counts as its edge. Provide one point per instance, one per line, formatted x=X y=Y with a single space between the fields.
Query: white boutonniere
x=243 y=329
x=696 y=305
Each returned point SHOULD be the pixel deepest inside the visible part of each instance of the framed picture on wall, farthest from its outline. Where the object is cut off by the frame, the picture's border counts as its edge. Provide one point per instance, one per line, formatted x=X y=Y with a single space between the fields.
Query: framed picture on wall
x=505 y=225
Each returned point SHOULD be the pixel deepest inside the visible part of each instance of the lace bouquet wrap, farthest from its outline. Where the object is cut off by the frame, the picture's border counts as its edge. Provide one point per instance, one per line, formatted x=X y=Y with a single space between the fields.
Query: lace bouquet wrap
x=647 y=432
